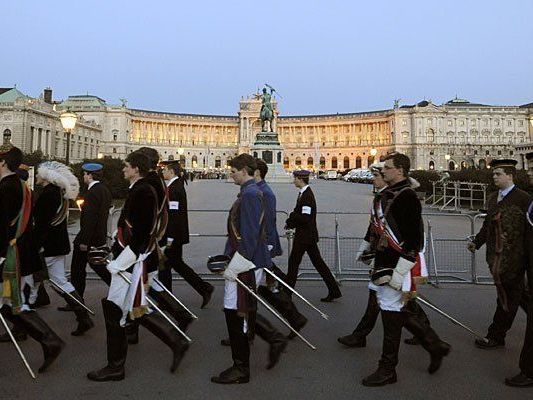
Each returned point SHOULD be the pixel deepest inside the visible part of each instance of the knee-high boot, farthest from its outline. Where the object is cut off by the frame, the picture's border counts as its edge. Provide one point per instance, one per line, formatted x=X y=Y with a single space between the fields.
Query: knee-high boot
x=358 y=337
x=167 y=303
x=276 y=340
x=38 y=330
x=117 y=345
x=82 y=316
x=283 y=303
x=162 y=329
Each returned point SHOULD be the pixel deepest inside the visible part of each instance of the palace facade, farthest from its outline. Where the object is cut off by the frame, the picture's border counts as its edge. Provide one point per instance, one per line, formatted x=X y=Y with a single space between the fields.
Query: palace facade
x=456 y=134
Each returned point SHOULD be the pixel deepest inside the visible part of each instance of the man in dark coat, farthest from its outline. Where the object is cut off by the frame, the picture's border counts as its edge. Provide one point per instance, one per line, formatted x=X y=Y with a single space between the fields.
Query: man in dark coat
x=303 y=220
x=503 y=232
x=177 y=234
x=15 y=243
x=525 y=377
x=93 y=223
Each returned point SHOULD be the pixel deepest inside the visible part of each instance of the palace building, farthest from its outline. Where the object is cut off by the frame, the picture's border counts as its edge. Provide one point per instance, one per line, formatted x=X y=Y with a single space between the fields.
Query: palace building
x=456 y=134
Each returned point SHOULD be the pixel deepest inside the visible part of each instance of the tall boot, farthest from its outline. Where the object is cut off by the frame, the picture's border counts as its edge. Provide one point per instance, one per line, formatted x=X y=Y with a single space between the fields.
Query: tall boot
x=276 y=340
x=41 y=332
x=117 y=345
x=392 y=334
x=358 y=337
x=162 y=329
x=82 y=315
x=18 y=333
x=42 y=297
x=167 y=303
x=132 y=331
x=283 y=303
x=429 y=340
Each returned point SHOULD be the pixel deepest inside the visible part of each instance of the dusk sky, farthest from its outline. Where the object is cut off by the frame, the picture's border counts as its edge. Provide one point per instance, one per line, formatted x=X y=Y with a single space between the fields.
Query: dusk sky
x=322 y=56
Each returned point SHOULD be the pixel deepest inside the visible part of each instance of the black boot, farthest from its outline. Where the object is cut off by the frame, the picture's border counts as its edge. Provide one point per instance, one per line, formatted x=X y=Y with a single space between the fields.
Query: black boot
x=365 y=326
x=18 y=333
x=42 y=297
x=41 y=332
x=283 y=303
x=117 y=345
x=206 y=295
x=162 y=329
x=132 y=331
x=82 y=315
x=352 y=340
x=167 y=303
x=276 y=340
x=237 y=373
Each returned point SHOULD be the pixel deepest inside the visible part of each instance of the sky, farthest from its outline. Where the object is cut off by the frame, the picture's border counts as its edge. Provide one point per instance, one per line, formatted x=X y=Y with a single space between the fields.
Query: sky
x=322 y=57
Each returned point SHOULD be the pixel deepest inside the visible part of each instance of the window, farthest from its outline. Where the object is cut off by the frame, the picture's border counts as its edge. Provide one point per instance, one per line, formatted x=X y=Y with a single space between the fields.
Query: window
x=286 y=162
x=114 y=150
x=520 y=123
x=509 y=123
x=450 y=122
x=7 y=136
x=431 y=165
x=194 y=161
x=358 y=162
x=115 y=135
x=298 y=162
x=346 y=162
x=404 y=122
x=309 y=162
x=322 y=162
x=334 y=162
x=218 y=162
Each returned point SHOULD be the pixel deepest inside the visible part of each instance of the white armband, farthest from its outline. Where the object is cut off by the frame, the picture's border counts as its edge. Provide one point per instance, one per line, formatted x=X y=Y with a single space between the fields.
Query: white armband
x=306 y=210
x=174 y=205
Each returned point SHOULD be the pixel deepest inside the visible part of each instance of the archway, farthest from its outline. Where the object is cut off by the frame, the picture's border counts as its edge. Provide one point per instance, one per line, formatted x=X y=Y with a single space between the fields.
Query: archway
x=346 y=162
x=431 y=165
x=334 y=163
x=358 y=162
x=322 y=162
x=286 y=162
x=310 y=162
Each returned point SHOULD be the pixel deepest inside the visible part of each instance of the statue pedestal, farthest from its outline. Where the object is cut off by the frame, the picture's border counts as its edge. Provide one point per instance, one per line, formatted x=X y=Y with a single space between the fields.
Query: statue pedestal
x=268 y=147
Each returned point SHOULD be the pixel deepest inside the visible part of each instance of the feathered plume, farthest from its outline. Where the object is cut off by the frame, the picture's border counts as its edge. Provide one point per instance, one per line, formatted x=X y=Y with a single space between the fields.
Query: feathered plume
x=61 y=175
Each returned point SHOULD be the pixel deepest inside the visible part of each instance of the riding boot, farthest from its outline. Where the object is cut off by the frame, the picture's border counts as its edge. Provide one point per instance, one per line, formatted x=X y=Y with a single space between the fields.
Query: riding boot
x=117 y=345
x=132 y=331
x=42 y=297
x=176 y=310
x=358 y=337
x=18 y=333
x=39 y=330
x=162 y=329
x=283 y=303
x=276 y=340
x=82 y=315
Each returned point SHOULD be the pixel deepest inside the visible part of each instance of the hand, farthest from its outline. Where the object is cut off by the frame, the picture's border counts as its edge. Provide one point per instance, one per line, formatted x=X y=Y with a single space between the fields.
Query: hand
x=229 y=275
x=396 y=281
x=2 y=259
x=270 y=247
x=83 y=247
x=471 y=246
x=113 y=267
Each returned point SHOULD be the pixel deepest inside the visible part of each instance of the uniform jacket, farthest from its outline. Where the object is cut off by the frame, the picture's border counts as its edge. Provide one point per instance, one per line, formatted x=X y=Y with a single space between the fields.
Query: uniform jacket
x=94 y=214
x=269 y=201
x=403 y=216
x=160 y=189
x=304 y=222
x=178 y=221
x=529 y=247
x=53 y=239
x=246 y=227
x=10 y=205
x=509 y=216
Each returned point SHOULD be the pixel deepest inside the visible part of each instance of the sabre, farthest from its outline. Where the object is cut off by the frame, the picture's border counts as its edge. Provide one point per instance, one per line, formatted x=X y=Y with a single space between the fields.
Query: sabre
x=273 y=90
x=251 y=292
x=324 y=315
x=59 y=288
x=19 y=350
x=152 y=303
x=427 y=303
x=174 y=297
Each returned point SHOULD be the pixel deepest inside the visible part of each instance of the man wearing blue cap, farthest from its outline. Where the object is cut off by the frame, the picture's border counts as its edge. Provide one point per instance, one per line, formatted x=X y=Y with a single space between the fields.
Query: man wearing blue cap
x=303 y=220
x=93 y=226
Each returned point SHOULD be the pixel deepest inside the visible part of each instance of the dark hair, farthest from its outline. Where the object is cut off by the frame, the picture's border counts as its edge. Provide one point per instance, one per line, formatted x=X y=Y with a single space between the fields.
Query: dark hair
x=305 y=179
x=23 y=174
x=262 y=167
x=139 y=160
x=97 y=175
x=175 y=167
x=400 y=160
x=152 y=155
x=508 y=170
x=244 y=161
x=13 y=158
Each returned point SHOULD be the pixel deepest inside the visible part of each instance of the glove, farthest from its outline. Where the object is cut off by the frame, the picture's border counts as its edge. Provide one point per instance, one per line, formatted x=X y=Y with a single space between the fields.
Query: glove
x=270 y=247
x=398 y=274
x=363 y=247
x=125 y=260
x=236 y=266
x=2 y=259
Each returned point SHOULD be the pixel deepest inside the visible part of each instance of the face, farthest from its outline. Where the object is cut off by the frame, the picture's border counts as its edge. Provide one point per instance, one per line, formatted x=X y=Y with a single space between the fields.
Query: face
x=391 y=173
x=298 y=182
x=38 y=180
x=238 y=176
x=86 y=178
x=501 y=179
x=129 y=171
x=168 y=174
x=379 y=182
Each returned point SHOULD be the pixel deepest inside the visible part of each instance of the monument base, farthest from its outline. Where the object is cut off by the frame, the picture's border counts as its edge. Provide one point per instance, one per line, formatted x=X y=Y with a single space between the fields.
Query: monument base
x=268 y=148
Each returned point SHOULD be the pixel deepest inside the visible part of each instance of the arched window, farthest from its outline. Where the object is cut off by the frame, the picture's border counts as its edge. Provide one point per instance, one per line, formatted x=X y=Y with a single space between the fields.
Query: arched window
x=358 y=162
x=218 y=162
x=286 y=162
x=309 y=162
x=346 y=162
x=431 y=165
x=298 y=162
x=115 y=135
x=334 y=163
x=228 y=160
x=482 y=164
x=171 y=158
x=370 y=161
x=451 y=165
x=194 y=161
x=322 y=162
x=7 y=136
x=464 y=165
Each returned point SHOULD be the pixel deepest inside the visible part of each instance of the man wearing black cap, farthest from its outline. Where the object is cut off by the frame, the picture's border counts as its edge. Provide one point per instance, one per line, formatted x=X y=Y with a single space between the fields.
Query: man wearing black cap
x=93 y=227
x=525 y=377
x=303 y=220
x=503 y=232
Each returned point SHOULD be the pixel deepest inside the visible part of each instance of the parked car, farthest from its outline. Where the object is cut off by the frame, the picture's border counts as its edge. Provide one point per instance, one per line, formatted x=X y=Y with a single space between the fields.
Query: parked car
x=331 y=175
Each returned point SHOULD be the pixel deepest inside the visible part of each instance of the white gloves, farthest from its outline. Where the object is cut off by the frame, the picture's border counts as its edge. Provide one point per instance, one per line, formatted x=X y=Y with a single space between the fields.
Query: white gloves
x=364 y=246
x=125 y=260
x=236 y=266
x=398 y=274
x=2 y=259
x=270 y=247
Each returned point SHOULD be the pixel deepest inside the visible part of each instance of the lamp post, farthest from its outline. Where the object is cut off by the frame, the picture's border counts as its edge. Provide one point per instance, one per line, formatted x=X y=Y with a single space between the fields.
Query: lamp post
x=68 y=121
x=373 y=153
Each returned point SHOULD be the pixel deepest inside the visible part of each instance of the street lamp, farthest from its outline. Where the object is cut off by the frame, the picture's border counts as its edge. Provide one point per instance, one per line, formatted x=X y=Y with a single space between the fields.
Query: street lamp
x=373 y=152
x=68 y=120
x=447 y=157
x=180 y=151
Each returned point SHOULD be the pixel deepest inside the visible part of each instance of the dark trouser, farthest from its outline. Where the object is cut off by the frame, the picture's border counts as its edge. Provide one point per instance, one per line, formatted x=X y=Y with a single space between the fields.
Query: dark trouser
x=295 y=258
x=526 y=355
x=175 y=262
x=78 y=273
x=368 y=321
x=283 y=303
x=117 y=345
x=102 y=272
x=240 y=348
x=517 y=296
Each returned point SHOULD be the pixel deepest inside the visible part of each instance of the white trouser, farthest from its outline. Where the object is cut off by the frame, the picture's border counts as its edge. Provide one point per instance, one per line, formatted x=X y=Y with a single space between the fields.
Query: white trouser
x=56 y=272
x=28 y=280
x=389 y=299
x=230 y=289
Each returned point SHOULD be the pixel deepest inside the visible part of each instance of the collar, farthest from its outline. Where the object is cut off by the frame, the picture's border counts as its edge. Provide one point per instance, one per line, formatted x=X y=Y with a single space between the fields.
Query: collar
x=6 y=175
x=505 y=192
x=92 y=184
x=398 y=186
x=247 y=183
x=172 y=180
x=304 y=189
x=261 y=183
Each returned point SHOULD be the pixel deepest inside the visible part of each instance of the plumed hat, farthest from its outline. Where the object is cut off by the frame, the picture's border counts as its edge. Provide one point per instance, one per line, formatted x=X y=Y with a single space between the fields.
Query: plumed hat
x=60 y=175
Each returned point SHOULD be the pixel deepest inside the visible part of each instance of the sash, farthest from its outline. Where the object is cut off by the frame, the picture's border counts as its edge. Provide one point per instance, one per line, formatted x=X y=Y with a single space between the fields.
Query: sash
x=11 y=272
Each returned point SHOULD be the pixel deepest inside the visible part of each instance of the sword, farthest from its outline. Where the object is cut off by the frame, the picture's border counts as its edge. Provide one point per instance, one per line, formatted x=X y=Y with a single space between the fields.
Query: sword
x=251 y=292
x=324 y=315
x=152 y=303
x=19 y=350
x=60 y=289
x=427 y=303
x=174 y=297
